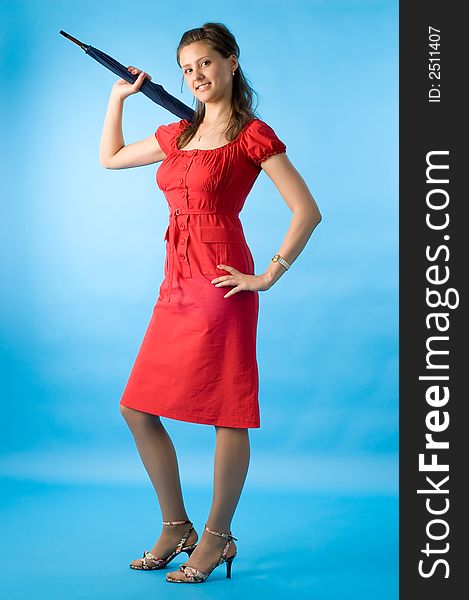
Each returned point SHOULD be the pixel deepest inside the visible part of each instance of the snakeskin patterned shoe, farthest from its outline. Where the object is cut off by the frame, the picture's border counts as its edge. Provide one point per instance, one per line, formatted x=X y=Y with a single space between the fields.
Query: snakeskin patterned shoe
x=193 y=575
x=150 y=562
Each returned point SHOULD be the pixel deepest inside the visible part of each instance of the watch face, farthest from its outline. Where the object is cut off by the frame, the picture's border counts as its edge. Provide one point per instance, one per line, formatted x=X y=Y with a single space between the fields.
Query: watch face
x=275 y=258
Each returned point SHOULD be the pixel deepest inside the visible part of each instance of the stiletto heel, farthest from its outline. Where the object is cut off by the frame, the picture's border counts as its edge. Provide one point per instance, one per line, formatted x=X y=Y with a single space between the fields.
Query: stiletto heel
x=228 y=566
x=150 y=562
x=193 y=575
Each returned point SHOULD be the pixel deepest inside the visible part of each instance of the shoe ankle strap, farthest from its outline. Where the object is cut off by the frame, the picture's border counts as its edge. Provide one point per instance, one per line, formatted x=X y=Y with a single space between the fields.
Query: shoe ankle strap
x=176 y=522
x=227 y=536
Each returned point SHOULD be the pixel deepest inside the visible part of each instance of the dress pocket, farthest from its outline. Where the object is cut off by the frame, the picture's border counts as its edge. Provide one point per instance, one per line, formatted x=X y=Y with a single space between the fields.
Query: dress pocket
x=222 y=245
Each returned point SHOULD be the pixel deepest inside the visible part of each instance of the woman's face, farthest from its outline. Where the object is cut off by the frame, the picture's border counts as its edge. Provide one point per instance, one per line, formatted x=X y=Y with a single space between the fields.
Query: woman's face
x=202 y=65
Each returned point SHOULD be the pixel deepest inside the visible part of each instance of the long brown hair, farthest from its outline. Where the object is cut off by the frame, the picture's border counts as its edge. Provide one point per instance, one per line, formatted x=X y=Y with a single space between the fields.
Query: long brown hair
x=220 y=39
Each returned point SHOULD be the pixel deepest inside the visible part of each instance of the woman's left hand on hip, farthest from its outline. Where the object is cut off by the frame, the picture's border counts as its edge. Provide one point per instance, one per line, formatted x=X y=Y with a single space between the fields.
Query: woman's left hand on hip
x=241 y=281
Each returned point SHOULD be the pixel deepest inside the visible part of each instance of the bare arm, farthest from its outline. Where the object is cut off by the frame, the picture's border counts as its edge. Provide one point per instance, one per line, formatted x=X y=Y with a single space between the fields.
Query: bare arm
x=306 y=215
x=113 y=153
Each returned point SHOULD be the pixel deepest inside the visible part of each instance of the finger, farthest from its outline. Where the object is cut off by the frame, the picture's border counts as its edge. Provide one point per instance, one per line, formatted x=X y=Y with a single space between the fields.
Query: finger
x=229 y=269
x=225 y=282
x=232 y=292
x=139 y=80
x=221 y=279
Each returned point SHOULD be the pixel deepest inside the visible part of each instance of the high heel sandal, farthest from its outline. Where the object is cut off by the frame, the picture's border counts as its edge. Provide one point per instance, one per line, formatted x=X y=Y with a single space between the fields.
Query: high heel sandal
x=193 y=575
x=150 y=562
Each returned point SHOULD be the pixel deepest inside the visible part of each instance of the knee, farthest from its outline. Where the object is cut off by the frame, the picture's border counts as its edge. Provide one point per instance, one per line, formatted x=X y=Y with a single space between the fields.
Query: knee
x=129 y=414
x=136 y=418
x=125 y=411
x=231 y=431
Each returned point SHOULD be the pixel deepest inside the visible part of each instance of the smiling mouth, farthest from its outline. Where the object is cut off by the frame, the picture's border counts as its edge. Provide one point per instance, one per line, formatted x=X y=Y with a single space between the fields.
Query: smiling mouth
x=203 y=86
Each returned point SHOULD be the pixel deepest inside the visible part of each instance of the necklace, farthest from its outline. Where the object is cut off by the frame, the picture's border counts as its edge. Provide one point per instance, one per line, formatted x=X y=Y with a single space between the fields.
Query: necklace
x=202 y=134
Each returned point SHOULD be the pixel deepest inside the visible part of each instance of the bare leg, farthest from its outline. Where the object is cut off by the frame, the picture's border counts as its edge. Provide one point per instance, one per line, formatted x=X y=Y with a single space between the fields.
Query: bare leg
x=158 y=455
x=231 y=464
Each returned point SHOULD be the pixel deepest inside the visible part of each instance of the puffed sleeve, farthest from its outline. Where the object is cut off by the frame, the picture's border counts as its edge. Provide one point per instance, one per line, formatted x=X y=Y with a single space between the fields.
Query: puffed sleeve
x=167 y=135
x=261 y=141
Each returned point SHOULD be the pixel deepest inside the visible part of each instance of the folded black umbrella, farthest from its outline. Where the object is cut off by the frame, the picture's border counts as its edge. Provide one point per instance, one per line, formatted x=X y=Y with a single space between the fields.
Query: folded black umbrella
x=154 y=91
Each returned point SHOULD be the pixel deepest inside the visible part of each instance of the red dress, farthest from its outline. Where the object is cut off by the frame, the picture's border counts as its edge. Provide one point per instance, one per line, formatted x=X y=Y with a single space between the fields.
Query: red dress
x=197 y=361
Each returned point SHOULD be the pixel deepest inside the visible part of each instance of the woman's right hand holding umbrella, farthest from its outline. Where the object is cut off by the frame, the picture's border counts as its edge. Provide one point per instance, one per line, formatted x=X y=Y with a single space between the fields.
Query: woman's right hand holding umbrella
x=122 y=89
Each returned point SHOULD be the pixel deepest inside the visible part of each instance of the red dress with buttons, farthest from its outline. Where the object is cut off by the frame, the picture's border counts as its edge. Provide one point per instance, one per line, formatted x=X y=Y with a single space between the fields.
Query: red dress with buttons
x=197 y=361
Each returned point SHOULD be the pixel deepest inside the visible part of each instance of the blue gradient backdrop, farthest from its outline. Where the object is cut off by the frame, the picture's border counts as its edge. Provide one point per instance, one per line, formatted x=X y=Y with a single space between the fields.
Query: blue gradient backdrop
x=82 y=259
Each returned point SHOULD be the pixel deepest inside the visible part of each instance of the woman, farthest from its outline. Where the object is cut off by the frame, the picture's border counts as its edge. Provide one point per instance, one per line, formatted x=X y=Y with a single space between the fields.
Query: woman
x=197 y=361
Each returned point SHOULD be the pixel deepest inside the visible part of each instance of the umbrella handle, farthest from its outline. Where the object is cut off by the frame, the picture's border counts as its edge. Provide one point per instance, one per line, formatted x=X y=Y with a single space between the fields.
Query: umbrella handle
x=83 y=46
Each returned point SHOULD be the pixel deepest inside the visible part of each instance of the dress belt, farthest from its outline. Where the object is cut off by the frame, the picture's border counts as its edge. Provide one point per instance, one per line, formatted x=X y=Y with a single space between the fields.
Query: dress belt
x=201 y=211
x=171 y=237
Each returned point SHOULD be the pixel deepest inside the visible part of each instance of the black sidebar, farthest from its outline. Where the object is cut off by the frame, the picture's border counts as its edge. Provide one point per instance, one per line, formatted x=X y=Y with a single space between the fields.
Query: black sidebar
x=433 y=262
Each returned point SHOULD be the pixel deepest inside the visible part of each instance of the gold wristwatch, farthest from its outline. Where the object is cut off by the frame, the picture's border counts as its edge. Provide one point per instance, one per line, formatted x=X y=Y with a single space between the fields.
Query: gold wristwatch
x=282 y=261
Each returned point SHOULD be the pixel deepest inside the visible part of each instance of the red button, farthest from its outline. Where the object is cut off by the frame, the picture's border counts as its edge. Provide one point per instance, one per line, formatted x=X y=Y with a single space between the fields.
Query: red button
x=182 y=225
x=182 y=257
x=184 y=166
x=181 y=180
x=183 y=241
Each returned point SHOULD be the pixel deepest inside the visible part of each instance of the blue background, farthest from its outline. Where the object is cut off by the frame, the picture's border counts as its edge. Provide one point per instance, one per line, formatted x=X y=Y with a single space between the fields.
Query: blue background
x=82 y=260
